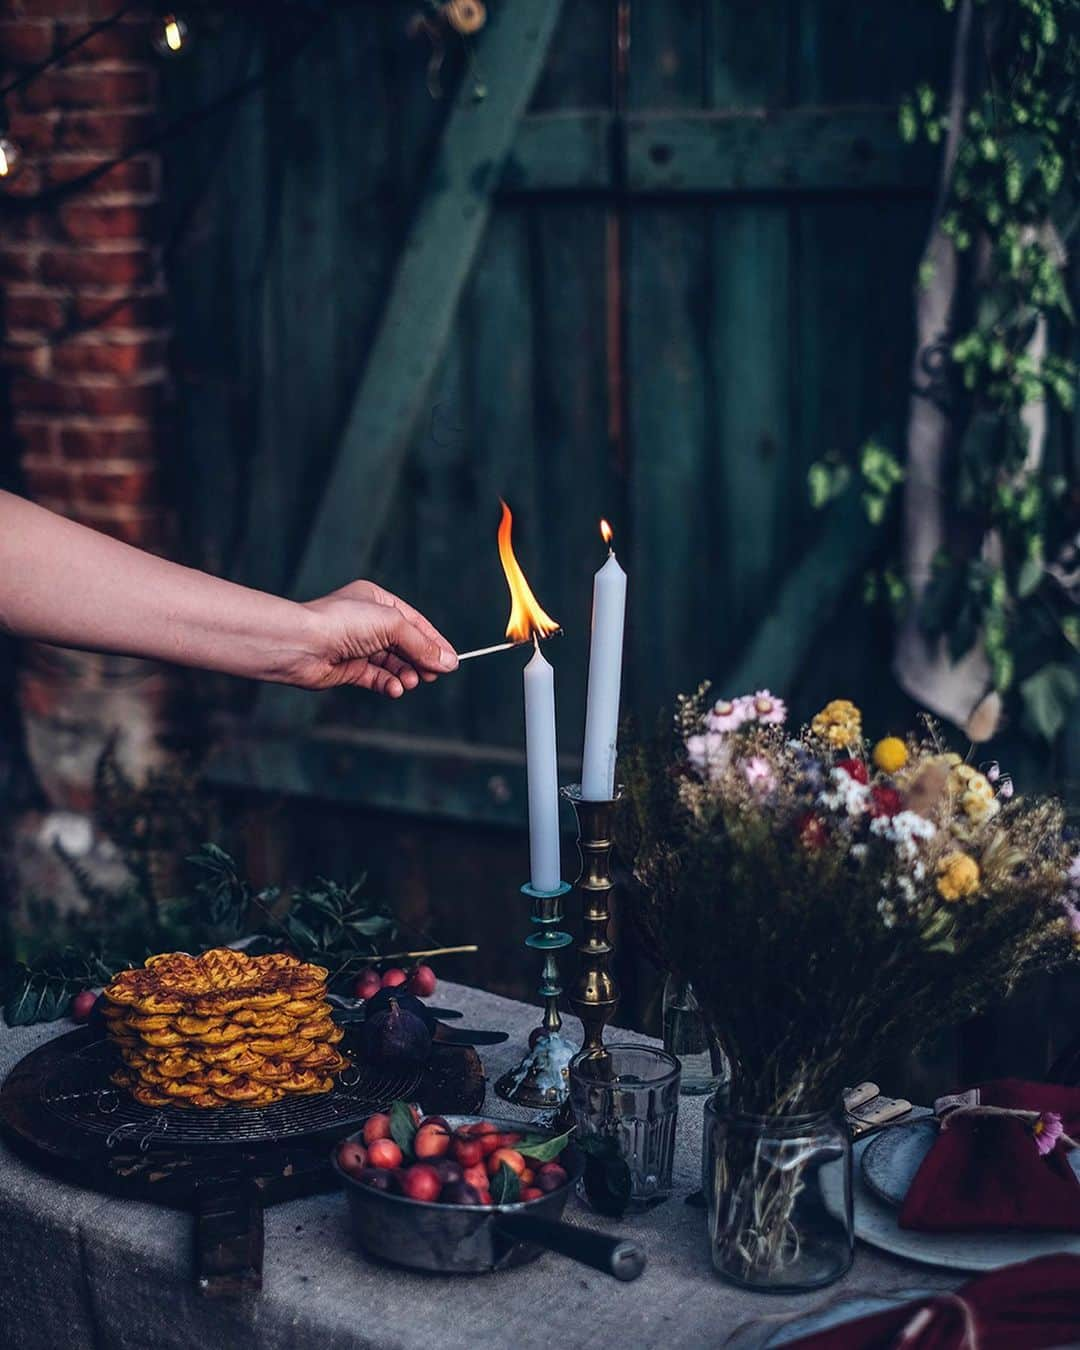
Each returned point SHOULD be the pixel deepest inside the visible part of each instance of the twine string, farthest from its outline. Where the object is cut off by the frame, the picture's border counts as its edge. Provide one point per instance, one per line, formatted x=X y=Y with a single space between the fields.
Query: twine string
x=1010 y=1112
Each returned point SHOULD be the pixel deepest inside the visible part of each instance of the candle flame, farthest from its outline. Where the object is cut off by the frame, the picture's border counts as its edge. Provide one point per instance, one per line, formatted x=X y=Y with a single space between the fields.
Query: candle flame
x=606 y=532
x=174 y=37
x=527 y=619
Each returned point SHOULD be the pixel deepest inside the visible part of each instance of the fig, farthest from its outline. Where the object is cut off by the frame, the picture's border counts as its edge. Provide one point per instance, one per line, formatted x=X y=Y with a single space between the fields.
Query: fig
x=549 y=1181
x=448 y=1170
x=383 y=999
x=461 y=1193
x=394 y=1034
x=379 y=1177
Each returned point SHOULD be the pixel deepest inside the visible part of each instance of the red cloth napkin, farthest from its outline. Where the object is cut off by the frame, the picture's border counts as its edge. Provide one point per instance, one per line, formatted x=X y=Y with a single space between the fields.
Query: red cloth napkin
x=1022 y=1307
x=985 y=1173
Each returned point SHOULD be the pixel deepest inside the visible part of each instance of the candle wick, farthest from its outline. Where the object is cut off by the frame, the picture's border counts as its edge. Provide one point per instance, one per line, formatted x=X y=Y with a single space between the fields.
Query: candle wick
x=536 y=640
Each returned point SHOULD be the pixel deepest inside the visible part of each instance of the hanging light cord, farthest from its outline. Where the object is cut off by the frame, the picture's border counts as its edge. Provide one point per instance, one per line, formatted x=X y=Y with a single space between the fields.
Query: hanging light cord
x=59 y=55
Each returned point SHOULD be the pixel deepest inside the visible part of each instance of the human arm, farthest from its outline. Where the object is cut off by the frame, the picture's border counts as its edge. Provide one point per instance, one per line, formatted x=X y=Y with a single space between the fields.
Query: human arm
x=65 y=584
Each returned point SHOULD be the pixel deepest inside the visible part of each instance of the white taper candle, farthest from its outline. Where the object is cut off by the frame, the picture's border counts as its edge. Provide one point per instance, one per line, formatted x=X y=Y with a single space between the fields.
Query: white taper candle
x=543 y=775
x=605 y=679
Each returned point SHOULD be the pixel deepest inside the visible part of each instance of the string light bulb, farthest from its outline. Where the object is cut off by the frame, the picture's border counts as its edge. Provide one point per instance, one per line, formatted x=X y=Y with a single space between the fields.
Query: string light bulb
x=172 y=35
x=11 y=160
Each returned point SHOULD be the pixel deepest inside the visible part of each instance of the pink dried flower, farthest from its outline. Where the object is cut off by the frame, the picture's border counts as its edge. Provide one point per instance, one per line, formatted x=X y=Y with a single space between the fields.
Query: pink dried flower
x=727 y=715
x=759 y=774
x=768 y=710
x=1047 y=1130
x=1073 y=873
x=1005 y=787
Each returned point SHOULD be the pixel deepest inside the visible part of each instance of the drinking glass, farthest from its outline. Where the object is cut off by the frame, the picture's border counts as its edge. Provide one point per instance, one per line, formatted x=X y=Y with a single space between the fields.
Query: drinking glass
x=627 y=1099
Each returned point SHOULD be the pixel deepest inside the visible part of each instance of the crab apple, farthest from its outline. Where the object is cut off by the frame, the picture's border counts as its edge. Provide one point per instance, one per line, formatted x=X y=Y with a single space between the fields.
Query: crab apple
x=431 y=1141
x=532 y=1193
x=527 y=1177
x=376 y=1127
x=449 y=1171
x=422 y=982
x=466 y=1151
x=485 y=1197
x=436 y=1120
x=510 y=1156
x=476 y=1176
x=352 y=1156
x=367 y=983
x=384 y=1153
x=82 y=1005
x=421 y=1183
x=509 y=1139
x=393 y=977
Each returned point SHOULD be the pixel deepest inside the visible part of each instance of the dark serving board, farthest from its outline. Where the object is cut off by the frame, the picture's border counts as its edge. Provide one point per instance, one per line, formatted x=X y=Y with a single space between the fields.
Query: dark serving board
x=226 y=1183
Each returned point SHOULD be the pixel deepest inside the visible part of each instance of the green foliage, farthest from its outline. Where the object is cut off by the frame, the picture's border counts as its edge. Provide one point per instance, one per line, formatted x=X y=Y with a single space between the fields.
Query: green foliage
x=1047 y=696
x=41 y=992
x=1011 y=205
x=505 y=1186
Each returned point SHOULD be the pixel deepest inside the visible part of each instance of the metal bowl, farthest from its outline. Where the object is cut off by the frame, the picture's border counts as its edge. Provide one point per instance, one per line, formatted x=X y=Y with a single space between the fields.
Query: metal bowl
x=469 y=1239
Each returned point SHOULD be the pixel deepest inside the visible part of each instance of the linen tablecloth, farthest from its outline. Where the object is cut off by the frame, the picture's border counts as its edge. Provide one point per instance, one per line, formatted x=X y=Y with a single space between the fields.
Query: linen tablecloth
x=83 y=1271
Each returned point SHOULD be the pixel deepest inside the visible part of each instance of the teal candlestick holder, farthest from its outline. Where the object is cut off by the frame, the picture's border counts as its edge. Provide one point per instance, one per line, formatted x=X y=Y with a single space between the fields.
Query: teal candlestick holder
x=542 y=1078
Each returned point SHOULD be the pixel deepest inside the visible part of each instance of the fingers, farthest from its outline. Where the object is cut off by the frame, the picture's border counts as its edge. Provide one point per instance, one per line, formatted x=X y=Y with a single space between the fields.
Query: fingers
x=409 y=677
x=368 y=590
x=368 y=675
x=425 y=653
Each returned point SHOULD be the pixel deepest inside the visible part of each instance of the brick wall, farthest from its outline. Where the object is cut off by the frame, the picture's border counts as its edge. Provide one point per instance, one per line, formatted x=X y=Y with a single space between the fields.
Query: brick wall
x=85 y=344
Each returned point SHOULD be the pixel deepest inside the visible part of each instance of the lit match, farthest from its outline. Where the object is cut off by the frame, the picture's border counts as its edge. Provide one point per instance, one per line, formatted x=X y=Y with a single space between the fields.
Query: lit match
x=527 y=620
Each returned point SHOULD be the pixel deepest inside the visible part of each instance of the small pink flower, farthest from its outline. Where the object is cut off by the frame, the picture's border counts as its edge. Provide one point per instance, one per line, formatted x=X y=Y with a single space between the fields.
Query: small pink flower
x=993 y=773
x=1047 y=1130
x=1005 y=787
x=708 y=755
x=1073 y=873
x=759 y=774
x=768 y=710
x=726 y=715
x=1072 y=915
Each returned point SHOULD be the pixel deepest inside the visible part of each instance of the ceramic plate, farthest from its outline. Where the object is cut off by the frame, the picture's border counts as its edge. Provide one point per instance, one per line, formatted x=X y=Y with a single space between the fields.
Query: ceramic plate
x=876 y=1223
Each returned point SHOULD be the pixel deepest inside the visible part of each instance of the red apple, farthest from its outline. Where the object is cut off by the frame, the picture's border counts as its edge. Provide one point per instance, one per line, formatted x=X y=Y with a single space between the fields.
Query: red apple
x=376 y=1127
x=422 y=982
x=393 y=977
x=421 y=1183
x=531 y=1193
x=367 y=983
x=432 y=1141
x=384 y=1153
x=82 y=1005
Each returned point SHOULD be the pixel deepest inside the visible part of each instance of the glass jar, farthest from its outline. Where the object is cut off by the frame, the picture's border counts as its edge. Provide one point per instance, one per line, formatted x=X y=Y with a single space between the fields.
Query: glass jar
x=705 y=1067
x=779 y=1197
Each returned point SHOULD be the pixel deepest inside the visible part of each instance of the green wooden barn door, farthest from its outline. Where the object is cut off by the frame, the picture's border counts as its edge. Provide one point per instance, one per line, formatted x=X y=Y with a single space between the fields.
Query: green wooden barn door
x=681 y=277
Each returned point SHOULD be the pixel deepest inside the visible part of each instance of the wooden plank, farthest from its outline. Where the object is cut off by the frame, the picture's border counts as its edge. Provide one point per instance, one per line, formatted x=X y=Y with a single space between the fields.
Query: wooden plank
x=433 y=775
x=808 y=597
x=436 y=261
x=794 y=149
x=561 y=152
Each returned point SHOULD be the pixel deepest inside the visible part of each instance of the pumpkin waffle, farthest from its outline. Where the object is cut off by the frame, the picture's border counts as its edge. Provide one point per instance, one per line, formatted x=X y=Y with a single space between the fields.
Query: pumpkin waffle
x=222 y=1029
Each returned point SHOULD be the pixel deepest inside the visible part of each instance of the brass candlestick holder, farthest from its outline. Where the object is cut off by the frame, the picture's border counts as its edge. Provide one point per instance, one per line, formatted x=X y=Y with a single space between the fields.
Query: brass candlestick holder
x=542 y=1079
x=594 y=994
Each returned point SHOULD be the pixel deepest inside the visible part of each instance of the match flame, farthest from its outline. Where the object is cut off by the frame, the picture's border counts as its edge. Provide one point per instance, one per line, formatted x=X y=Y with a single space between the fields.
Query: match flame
x=526 y=617
x=606 y=532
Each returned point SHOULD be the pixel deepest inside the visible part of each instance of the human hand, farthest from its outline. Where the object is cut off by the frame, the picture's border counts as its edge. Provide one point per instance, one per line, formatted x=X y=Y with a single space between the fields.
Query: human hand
x=367 y=636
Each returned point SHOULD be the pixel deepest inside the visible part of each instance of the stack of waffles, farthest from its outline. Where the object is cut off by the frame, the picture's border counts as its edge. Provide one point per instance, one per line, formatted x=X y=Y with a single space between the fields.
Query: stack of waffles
x=222 y=1029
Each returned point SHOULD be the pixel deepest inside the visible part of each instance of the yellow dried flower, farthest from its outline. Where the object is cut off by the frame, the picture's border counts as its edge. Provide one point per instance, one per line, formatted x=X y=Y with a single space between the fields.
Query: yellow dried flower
x=467 y=16
x=964 y=773
x=839 y=723
x=979 y=804
x=957 y=877
x=890 y=754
